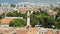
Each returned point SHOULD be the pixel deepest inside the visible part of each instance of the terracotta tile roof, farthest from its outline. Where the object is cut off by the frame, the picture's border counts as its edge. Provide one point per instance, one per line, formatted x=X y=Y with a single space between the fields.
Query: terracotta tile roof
x=21 y=31
x=5 y=21
x=5 y=31
x=33 y=31
x=49 y=32
x=29 y=31
x=26 y=9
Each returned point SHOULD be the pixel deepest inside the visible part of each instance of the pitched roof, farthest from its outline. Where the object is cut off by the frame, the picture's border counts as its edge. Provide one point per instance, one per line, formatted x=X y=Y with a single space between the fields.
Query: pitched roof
x=33 y=31
x=26 y=9
x=5 y=21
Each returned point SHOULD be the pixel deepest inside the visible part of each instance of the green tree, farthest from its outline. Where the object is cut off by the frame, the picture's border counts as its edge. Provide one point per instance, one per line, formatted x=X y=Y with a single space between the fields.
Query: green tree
x=13 y=14
x=56 y=9
x=24 y=15
x=18 y=23
x=36 y=13
x=37 y=17
x=0 y=17
x=33 y=20
x=40 y=19
x=16 y=14
x=57 y=24
x=58 y=14
x=48 y=22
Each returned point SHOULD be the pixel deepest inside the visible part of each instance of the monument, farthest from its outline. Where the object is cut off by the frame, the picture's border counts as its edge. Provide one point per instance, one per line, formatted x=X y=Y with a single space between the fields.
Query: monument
x=28 y=20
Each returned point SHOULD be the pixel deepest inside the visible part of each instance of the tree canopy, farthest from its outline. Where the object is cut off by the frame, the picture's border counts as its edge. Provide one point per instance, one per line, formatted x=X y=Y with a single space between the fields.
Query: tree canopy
x=17 y=23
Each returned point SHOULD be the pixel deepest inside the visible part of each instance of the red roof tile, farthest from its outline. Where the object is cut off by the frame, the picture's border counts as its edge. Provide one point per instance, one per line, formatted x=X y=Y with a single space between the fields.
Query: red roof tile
x=5 y=21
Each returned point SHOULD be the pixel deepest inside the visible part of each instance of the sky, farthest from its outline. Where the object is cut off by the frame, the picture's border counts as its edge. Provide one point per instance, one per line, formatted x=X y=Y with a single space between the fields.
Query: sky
x=36 y=1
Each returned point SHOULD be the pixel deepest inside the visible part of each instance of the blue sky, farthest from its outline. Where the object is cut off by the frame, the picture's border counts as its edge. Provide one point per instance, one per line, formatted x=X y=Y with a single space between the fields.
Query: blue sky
x=36 y=1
